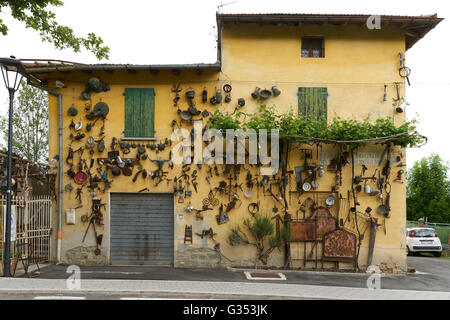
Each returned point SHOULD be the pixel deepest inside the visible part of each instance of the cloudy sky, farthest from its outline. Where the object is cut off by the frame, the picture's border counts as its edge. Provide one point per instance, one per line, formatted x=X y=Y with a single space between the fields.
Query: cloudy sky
x=181 y=31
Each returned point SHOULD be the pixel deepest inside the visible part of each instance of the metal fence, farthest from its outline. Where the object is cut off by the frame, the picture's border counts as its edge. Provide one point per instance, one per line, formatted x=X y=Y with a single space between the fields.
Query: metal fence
x=442 y=229
x=33 y=223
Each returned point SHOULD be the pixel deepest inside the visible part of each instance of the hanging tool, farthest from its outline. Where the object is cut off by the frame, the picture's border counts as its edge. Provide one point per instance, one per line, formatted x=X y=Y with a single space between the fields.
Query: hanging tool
x=404 y=71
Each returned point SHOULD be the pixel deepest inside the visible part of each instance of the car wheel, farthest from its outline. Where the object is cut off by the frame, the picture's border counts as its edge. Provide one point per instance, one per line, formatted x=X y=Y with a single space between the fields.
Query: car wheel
x=437 y=254
x=408 y=252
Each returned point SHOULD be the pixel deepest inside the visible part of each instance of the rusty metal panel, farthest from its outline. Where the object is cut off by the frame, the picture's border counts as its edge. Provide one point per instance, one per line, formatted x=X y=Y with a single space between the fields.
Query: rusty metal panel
x=142 y=229
x=325 y=221
x=303 y=230
x=339 y=244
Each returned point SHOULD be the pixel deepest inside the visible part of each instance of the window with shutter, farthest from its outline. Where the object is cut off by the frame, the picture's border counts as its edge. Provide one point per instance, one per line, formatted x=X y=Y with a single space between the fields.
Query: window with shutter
x=139 y=112
x=312 y=102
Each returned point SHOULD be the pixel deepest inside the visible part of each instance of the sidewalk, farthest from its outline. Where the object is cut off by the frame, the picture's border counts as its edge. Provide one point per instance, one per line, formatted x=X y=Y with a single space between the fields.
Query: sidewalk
x=252 y=290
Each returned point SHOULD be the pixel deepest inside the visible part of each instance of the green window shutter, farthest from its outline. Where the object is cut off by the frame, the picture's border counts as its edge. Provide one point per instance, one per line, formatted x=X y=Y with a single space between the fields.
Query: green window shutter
x=139 y=112
x=312 y=102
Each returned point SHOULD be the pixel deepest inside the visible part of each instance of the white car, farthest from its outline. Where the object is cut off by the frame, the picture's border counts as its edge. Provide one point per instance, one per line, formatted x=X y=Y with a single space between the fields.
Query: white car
x=423 y=240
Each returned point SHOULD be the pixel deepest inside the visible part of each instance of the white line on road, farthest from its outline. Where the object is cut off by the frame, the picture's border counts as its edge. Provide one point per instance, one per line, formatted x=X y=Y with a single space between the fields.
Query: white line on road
x=249 y=276
x=58 y=298
x=155 y=299
x=113 y=272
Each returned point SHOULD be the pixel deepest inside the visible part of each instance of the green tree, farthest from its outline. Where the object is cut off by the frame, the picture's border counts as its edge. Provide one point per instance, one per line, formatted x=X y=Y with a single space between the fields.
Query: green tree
x=30 y=124
x=36 y=15
x=428 y=190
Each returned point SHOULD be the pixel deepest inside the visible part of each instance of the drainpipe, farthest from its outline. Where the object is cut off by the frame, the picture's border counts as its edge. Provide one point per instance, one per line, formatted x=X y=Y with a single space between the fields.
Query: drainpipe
x=60 y=174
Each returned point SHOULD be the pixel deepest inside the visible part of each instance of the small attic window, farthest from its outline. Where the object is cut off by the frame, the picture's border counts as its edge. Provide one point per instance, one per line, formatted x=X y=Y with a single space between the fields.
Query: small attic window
x=313 y=47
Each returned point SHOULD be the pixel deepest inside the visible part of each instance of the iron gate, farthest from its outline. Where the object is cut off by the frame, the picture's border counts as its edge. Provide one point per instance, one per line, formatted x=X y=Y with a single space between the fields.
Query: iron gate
x=33 y=224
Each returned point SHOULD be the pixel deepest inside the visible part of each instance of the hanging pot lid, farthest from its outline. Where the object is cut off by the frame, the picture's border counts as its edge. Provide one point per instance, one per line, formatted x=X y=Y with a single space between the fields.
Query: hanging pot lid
x=186 y=115
x=80 y=177
x=248 y=193
x=101 y=109
x=72 y=111
x=78 y=126
x=306 y=186
x=330 y=201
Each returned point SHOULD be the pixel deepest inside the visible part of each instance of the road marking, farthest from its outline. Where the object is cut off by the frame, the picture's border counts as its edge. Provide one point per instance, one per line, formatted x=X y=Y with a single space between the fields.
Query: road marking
x=419 y=272
x=114 y=272
x=155 y=299
x=249 y=277
x=59 y=298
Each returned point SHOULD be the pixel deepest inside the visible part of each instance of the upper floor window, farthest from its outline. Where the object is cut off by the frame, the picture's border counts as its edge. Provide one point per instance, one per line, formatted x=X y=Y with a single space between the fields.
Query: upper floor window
x=139 y=113
x=313 y=47
x=313 y=103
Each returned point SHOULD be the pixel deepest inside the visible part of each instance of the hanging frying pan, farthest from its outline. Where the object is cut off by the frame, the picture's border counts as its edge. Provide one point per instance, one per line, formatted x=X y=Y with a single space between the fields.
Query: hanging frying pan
x=101 y=109
x=80 y=177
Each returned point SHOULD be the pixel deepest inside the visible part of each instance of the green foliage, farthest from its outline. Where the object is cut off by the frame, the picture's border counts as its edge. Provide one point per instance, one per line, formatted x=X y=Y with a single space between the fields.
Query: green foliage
x=286 y=233
x=266 y=119
x=302 y=129
x=30 y=124
x=235 y=236
x=222 y=121
x=260 y=227
x=36 y=15
x=428 y=190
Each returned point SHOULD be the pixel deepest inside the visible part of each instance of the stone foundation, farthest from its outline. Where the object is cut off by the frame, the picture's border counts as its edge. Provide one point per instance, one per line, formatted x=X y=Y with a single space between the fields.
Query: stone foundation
x=85 y=256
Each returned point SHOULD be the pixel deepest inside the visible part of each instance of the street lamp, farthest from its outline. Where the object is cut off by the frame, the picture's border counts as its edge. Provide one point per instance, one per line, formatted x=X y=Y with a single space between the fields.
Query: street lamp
x=12 y=72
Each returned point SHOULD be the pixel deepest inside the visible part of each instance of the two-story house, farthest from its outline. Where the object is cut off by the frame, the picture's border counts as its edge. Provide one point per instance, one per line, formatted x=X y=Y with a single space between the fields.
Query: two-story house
x=122 y=200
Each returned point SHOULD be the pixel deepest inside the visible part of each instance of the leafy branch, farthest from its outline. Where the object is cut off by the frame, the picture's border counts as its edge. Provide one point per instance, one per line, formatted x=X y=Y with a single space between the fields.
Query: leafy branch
x=35 y=15
x=351 y=133
x=261 y=229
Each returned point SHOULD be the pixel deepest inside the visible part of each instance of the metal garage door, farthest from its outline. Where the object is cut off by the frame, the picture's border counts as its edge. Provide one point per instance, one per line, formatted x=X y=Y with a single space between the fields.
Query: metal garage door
x=141 y=229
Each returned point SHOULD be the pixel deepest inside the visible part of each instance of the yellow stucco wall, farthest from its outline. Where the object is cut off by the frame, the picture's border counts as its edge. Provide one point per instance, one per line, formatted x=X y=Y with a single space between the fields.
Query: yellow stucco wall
x=357 y=64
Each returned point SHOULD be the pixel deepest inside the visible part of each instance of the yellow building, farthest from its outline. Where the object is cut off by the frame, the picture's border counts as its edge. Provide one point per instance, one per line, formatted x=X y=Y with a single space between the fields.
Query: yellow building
x=347 y=66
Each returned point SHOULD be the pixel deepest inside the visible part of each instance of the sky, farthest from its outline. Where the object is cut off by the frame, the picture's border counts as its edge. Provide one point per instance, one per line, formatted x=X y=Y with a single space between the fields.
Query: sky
x=181 y=31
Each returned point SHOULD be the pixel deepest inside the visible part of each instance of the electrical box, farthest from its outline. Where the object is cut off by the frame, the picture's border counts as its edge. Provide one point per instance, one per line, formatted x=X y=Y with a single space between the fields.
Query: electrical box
x=70 y=216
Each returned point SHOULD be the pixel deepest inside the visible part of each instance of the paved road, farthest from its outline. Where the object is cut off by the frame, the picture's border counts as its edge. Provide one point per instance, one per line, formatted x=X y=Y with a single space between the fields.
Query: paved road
x=433 y=276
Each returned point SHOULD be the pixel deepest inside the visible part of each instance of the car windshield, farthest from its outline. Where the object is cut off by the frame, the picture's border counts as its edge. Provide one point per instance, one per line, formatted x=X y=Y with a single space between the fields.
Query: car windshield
x=424 y=233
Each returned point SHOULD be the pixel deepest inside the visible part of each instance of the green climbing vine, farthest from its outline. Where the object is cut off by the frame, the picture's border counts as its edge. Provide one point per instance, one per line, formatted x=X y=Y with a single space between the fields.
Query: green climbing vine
x=351 y=133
